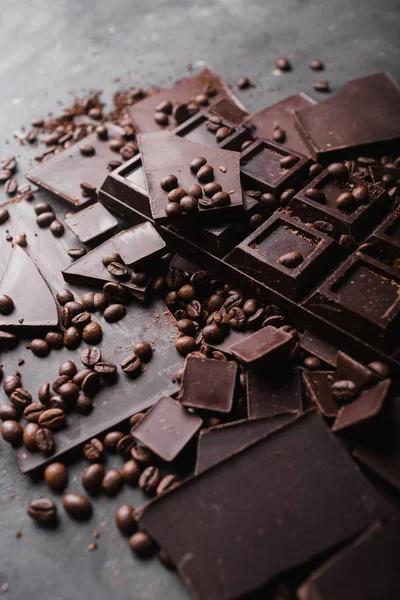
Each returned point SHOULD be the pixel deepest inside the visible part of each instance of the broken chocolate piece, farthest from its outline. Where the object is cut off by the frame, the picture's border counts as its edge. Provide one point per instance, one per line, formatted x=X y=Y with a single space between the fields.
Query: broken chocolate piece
x=274 y=393
x=139 y=244
x=348 y=368
x=317 y=387
x=92 y=225
x=367 y=406
x=263 y=348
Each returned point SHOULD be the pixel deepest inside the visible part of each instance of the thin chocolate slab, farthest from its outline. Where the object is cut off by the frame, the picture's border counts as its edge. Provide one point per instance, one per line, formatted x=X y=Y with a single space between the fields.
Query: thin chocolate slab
x=92 y=225
x=206 y=82
x=262 y=348
x=208 y=384
x=266 y=121
x=167 y=428
x=63 y=173
x=317 y=388
x=165 y=154
x=217 y=443
x=366 y=406
x=363 y=118
x=261 y=255
x=34 y=305
x=233 y=527
x=350 y=369
x=367 y=569
x=319 y=348
x=139 y=244
x=269 y=394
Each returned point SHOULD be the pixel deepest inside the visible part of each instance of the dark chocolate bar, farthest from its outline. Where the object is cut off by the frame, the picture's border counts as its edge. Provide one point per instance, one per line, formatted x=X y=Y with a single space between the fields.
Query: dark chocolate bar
x=273 y=393
x=92 y=225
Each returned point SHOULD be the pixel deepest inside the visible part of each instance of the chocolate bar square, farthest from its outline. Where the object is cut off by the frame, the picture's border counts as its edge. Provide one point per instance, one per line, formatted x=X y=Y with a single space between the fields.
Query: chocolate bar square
x=92 y=225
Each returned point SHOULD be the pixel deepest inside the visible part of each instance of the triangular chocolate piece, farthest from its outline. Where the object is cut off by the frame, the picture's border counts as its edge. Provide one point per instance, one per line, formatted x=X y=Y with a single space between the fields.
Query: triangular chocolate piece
x=166 y=154
x=350 y=369
x=317 y=387
x=368 y=405
x=34 y=305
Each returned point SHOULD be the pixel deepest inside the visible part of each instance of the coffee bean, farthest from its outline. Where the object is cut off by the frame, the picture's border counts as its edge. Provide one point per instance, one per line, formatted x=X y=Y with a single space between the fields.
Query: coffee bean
x=114 y=313
x=131 y=365
x=80 y=321
x=176 y=195
x=57 y=383
x=167 y=483
x=213 y=334
x=287 y=162
x=250 y=306
x=7 y=340
x=345 y=202
x=279 y=135
x=317 y=65
x=125 y=445
x=77 y=506
x=8 y=412
x=338 y=171
x=161 y=119
x=291 y=259
x=88 y=301
x=194 y=309
x=189 y=204
x=20 y=240
x=52 y=418
x=165 y=106
x=195 y=191
x=139 y=279
x=315 y=170
x=237 y=318
x=210 y=189
x=92 y=333
x=33 y=411
x=173 y=209
x=243 y=83
x=12 y=432
x=218 y=318
x=88 y=189
x=321 y=85
x=80 y=376
x=186 y=326
x=316 y=195
x=64 y=296
x=125 y=519
x=29 y=436
x=10 y=187
x=4 y=216
x=149 y=479
x=20 y=398
x=361 y=195
x=94 y=450
x=59 y=402
x=185 y=345
x=91 y=384
x=131 y=472
x=344 y=391
x=6 y=304
x=142 y=544
x=68 y=368
x=69 y=392
x=77 y=252
x=102 y=132
x=283 y=64
x=118 y=270
x=174 y=279
x=87 y=150
x=107 y=370
x=221 y=199
x=54 y=339
x=69 y=311
x=222 y=133
x=100 y=301
x=92 y=478
x=90 y=356
x=312 y=363
x=39 y=348
x=180 y=113
x=5 y=175
x=56 y=476
x=115 y=292
x=45 y=440
x=254 y=321
x=135 y=419
x=379 y=368
x=142 y=455
x=111 y=440
x=170 y=182
x=205 y=174
x=286 y=196
x=112 y=482
x=233 y=300
x=43 y=511
x=143 y=350
x=45 y=219
x=57 y=228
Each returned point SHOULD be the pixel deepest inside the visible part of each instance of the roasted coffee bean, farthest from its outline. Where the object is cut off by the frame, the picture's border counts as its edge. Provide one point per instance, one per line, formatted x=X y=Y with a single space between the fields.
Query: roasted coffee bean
x=90 y=356
x=88 y=189
x=142 y=544
x=344 y=391
x=131 y=365
x=361 y=195
x=321 y=85
x=12 y=432
x=58 y=402
x=139 y=279
x=20 y=398
x=6 y=304
x=116 y=144
x=316 y=195
x=39 y=348
x=237 y=318
x=291 y=259
x=143 y=350
x=348 y=243
x=87 y=150
x=315 y=170
x=77 y=252
x=118 y=270
x=173 y=209
x=149 y=479
x=102 y=132
x=185 y=345
x=91 y=384
x=232 y=301
x=250 y=306
x=77 y=506
x=338 y=171
x=222 y=133
x=29 y=436
x=345 y=202
x=194 y=309
x=88 y=301
x=131 y=472
x=100 y=301
x=170 y=182
x=69 y=311
x=205 y=174
x=68 y=368
x=69 y=392
x=283 y=64
x=57 y=383
x=92 y=333
x=92 y=478
x=279 y=135
x=112 y=482
x=215 y=302
x=287 y=162
x=56 y=476
x=186 y=326
x=187 y=293
x=243 y=83
x=255 y=221
x=45 y=219
x=217 y=318
x=54 y=339
x=135 y=419
x=111 y=440
x=20 y=240
x=4 y=216
x=195 y=191
x=33 y=411
x=57 y=228
x=10 y=187
x=180 y=112
x=317 y=65
x=312 y=363
x=161 y=118
x=80 y=376
x=81 y=320
x=274 y=320
x=45 y=440
x=142 y=455
x=64 y=296
x=8 y=412
x=255 y=320
x=221 y=199
x=125 y=445
x=286 y=196
x=210 y=189
x=7 y=340
x=114 y=313
x=165 y=106
x=174 y=279
x=5 y=175
x=167 y=483
x=213 y=334
x=43 y=511
x=52 y=418
x=125 y=519
x=94 y=450
x=107 y=370
x=115 y=292
x=176 y=195
x=189 y=204
x=171 y=300
x=379 y=368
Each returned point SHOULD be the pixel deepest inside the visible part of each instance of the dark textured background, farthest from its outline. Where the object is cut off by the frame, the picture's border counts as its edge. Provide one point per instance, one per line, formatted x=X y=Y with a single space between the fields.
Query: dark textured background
x=51 y=48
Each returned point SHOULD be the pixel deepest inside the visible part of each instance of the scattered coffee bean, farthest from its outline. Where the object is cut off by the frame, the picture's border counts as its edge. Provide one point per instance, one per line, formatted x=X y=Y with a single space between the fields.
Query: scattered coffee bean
x=90 y=356
x=6 y=304
x=56 y=476
x=317 y=65
x=5 y=175
x=57 y=383
x=125 y=445
x=115 y=292
x=321 y=85
x=94 y=450
x=131 y=365
x=118 y=270
x=279 y=135
x=64 y=296
x=345 y=202
x=213 y=334
x=114 y=313
x=44 y=393
x=111 y=257
x=33 y=411
x=4 y=215
x=52 y=418
x=195 y=191
x=361 y=195
x=167 y=483
x=11 y=383
x=92 y=478
x=131 y=472
x=91 y=384
x=315 y=170
x=170 y=182
x=316 y=195
x=283 y=64
x=185 y=344
x=69 y=392
x=291 y=259
x=69 y=311
x=173 y=209
x=205 y=174
x=88 y=189
x=45 y=219
x=141 y=455
x=176 y=195
x=20 y=398
x=29 y=436
x=112 y=482
x=77 y=506
x=312 y=363
x=125 y=519
x=87 y=150
x=161 y=119
x=107 y=370
x=189 y=204
x=54 y=339
x=83 y=404
x=135 y=419
x=338 y=171
x=77 y=252
x=80 y=376
x=100 y=301
x=39 y=348
x=43 y=511
x=287 y=162
x=165 y=106
x=12 y=432
x=286 y=196
x=111 y=440
x=10 y=187
x=45 y=440
x=142 y=544
x=243 y=83
x=68 y=368
x=7 y=340
x=92 y=333
x=344 y=391
x=150 y=479
x=8 y=412
x=57 y=228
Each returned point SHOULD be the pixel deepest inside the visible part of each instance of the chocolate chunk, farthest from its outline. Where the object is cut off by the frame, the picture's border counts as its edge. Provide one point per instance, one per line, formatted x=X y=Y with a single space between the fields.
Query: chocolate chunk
x=92 y=225
x=348 y=368
x=217 y=397
x=264 y=347
x=318 y=390
x=367 y=406
x=270 y=394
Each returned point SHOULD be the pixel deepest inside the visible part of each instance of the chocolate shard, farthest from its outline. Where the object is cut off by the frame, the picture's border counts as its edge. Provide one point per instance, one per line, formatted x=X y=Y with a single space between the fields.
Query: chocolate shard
x=317 y=347
x=273 y=393
x=219 y=442
x=350 y=369
x=167 y=428
x=367 y=406
x=92 y=225
x=264 y=347
x=352 y=114
x=215 y=395
x=34 y=305
x=229 y=110
x=139 y=244
x=317 y=388
x=366 y=569
x=232 y=528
